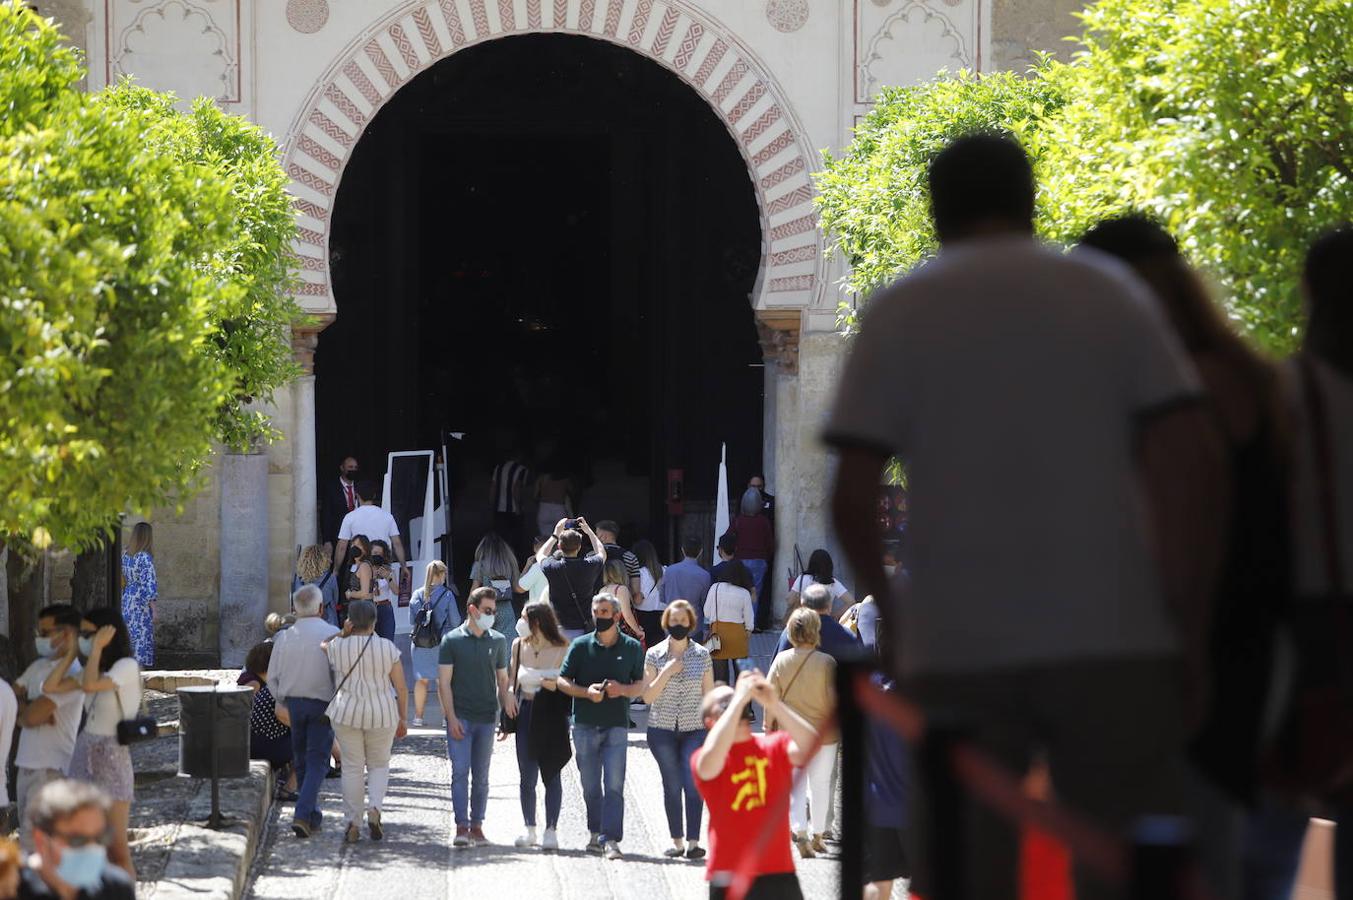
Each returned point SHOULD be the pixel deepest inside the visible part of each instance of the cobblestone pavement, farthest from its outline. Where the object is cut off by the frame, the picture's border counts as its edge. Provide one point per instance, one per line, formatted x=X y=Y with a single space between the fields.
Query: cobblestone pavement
x=416 y=861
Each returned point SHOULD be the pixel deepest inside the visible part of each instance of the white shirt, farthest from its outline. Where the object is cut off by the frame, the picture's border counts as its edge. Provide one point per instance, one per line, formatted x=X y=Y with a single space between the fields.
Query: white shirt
x=50 y=746
x=1011 y=380
x=9 y=715
x=836 y=588
x=103 y=711
x=734 y=604
x=536 y=584
x=651 y=590
x=370 y=520
x=1308 y=534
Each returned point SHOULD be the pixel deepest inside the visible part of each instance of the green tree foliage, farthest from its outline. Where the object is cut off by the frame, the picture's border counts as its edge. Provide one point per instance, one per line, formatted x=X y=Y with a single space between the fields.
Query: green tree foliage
x=255 y=310
x=1230 y=120
x=118 y=253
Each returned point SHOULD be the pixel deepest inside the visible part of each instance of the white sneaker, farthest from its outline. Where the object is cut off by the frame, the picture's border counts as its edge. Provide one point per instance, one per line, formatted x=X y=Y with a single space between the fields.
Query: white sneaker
x=612 y=850
x=550 y=840
x=416 y=722
x=526 y=840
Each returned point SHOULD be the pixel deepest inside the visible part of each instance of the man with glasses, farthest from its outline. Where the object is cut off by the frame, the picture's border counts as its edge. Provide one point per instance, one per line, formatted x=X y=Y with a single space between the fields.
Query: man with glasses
x=69 y=820
x=49 y=722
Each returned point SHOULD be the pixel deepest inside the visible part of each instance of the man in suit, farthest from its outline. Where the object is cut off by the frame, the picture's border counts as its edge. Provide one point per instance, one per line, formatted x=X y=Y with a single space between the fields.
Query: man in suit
x=337 y=498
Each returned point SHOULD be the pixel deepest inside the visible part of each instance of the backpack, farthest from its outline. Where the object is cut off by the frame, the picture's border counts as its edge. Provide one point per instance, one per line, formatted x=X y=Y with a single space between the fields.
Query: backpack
x=426 y=633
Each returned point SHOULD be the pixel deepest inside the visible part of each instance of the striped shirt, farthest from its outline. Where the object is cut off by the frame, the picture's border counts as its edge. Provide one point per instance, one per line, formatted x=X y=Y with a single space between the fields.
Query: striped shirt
x=677 y=708
x=367 y=699
x=506 y=478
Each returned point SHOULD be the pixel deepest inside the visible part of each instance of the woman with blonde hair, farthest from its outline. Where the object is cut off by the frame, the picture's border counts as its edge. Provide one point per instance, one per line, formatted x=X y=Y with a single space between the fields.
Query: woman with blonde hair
x=139 y=592
x=312 y=567
x=678 y=672
x=615 y=581
x=495 y=566
x=804 y=677
x=436 y=597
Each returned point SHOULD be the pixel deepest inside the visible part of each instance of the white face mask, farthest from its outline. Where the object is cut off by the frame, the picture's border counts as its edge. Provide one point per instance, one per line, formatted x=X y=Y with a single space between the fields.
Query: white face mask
x=484 y=621
x=523 y=629
x=889 y=570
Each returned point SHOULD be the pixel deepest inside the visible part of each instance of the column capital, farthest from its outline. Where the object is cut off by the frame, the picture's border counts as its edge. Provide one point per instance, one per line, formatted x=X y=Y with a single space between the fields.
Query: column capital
x=778 y=333
x=305 y=339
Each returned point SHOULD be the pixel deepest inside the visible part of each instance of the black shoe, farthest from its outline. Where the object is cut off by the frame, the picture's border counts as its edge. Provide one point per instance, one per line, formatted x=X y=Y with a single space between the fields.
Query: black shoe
x=695 y=852
x=286 y=796
x=335 y=772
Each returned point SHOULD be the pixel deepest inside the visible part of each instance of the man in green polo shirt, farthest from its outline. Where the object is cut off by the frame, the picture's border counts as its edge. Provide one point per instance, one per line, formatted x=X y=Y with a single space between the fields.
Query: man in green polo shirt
x=474 y=657
x=601 y=672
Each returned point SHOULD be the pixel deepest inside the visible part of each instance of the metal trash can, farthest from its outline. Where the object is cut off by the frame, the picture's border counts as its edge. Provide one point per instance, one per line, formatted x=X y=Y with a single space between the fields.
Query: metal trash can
x=214 y=721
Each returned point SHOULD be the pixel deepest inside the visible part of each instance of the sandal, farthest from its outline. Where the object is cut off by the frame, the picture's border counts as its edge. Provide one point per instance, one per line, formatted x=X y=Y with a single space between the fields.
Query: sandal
x=286 y=796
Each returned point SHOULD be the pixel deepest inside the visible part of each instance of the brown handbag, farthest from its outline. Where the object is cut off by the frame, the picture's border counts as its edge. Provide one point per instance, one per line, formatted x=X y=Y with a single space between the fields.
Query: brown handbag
x=728 y=640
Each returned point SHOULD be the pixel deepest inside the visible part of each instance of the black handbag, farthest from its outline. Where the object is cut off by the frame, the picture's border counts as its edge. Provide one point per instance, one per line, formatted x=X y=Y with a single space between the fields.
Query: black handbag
x=136 y=729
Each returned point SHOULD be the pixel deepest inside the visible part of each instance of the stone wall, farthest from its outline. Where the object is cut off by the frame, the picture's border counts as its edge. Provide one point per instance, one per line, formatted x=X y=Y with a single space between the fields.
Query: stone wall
x=1020 y=27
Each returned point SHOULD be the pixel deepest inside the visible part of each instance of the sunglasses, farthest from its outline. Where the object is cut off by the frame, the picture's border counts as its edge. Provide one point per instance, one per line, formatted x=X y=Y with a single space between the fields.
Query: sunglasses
x=77 y=841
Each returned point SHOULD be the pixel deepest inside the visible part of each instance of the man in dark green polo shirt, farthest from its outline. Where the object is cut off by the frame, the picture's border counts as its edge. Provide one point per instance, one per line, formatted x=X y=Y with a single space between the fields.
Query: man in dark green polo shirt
x=601 y=672
x=474 y=657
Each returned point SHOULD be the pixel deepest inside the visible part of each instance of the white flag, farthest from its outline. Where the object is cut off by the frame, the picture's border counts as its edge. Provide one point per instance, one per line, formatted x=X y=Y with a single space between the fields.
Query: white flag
x=721 y=505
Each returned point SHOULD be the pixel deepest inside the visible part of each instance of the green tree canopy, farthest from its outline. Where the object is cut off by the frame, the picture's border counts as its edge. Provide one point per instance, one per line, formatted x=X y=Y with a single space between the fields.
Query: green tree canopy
x=1230 y=120
x=122 y=268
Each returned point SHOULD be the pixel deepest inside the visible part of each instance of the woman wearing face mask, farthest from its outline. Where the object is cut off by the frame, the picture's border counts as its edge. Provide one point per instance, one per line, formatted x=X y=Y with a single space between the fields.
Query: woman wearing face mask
x=537 y=654
x=357 y=577
x=111 y=681
x=385 y=589
x=679 y=672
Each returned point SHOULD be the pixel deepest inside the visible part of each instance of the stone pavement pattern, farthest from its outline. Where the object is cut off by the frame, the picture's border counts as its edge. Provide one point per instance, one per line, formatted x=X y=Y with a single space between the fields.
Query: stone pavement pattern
x=416 y=860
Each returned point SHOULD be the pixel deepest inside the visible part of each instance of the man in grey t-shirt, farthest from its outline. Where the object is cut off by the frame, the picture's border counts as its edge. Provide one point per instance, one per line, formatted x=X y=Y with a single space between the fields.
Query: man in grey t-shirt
x=1003 y=370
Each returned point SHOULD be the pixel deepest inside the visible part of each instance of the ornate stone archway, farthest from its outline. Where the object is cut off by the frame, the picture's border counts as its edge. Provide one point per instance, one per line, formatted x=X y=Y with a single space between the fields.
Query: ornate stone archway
x=672 y=33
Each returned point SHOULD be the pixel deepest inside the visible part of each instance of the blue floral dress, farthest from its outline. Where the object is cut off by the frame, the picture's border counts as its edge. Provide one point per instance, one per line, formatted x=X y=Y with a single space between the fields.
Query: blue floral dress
x=138 y=576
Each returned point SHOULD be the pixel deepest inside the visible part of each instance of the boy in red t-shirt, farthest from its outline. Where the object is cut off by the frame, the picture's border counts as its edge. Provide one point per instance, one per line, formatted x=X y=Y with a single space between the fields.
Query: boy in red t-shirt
x=745 y=780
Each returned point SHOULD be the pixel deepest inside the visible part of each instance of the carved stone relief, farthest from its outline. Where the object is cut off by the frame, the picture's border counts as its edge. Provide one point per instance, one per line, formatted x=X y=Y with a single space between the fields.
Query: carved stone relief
x=190 y=48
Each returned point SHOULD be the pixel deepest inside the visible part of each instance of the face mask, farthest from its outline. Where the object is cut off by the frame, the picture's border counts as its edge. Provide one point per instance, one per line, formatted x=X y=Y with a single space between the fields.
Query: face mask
x=679 y=632
x=86 y=646
x=82 y=867
x=44 y=646
x=484 y=621
x=378 y=560
x=889 y=570
x=523 y=629
x=351 y=476
x=604 y=623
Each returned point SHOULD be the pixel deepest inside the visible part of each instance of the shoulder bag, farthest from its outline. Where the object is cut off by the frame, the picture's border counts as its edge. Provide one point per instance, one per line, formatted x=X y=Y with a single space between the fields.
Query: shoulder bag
x=1313 y=754
x=324 y=719
x=727 y=640
x=137 y=728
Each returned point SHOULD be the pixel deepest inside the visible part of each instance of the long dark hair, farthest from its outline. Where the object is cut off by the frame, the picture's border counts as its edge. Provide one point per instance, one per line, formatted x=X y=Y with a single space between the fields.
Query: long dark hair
x=821 y=567
x=735 y=573
x=541 y=615
x=120 y=647
x=648 y=558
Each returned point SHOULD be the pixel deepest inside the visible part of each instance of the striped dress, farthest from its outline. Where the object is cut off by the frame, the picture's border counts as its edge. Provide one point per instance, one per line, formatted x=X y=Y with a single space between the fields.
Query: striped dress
x=367 y=699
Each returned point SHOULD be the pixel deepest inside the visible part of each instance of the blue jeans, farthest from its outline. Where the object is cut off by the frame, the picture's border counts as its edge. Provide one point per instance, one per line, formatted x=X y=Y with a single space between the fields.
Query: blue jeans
x=757 y=568
x=385 y=620
x=530 y=772
x=600 y=752
x=312 y=740
x=672 y=750
x=470 y=754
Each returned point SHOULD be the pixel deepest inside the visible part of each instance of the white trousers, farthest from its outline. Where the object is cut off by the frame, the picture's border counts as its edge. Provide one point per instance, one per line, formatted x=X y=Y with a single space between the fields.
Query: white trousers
x=366 y=758
x=818 y=782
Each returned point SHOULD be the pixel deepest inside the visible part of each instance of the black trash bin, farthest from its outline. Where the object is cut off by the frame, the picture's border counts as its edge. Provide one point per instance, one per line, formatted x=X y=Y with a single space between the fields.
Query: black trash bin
x=214 y=720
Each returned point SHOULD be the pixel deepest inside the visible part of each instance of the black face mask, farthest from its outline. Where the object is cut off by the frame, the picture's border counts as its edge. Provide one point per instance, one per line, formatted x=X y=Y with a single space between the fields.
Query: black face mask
x=680 y=632
x=748 y=714
x=603 y=623
x=378 y=560
x=351 y=476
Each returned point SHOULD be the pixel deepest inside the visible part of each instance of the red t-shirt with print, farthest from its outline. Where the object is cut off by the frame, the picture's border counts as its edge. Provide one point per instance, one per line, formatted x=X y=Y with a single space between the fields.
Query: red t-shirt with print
x=752 y=790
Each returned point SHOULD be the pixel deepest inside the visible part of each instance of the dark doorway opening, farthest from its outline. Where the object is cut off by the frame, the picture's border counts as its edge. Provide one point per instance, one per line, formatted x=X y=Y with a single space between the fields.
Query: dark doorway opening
x=548 y=241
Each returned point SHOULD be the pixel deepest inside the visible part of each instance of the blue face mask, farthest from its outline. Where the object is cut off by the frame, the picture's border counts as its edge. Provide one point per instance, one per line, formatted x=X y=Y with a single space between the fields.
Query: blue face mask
x=44 y=646
x=86 y=646
x=485 y=621
x=83 y=867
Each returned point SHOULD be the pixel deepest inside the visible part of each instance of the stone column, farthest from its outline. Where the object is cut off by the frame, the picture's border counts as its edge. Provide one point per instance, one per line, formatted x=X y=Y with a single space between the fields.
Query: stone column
x=244 y=554
x=305 y=513
x=778 y=331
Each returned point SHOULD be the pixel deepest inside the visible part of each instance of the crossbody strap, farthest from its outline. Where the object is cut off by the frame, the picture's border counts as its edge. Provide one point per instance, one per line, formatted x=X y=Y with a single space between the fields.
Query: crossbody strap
x=360 y=654
x=784 y=695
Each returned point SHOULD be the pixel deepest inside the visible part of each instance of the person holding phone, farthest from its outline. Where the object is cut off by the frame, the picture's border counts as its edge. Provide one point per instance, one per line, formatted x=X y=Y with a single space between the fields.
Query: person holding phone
x=572 y=576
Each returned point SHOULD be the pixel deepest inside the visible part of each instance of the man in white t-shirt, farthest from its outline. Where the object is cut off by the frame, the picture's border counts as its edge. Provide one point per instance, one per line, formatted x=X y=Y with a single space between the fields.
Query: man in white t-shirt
x=370 y=520
x=49 y=721
x=1004 y=370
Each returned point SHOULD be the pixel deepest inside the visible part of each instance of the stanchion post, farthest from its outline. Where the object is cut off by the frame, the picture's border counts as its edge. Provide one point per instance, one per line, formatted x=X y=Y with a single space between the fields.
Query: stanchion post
x=854 y=771
x=215 y=820
x=1162 y=859
x=944 y=811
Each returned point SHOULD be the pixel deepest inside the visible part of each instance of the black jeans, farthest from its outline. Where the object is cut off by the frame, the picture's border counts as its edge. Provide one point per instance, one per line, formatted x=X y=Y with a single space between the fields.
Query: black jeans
x=780 y=886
